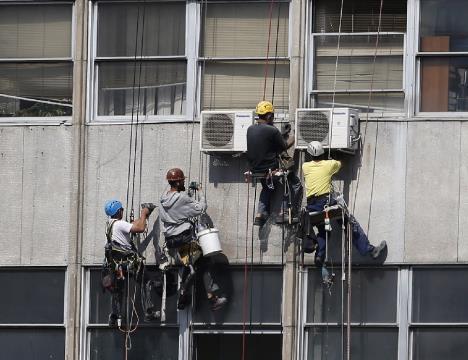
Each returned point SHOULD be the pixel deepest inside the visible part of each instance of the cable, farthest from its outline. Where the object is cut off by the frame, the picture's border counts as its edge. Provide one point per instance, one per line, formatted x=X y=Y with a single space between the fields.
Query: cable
x=244 y=297
x=276 y=54
x=268 y=50
x=334 y=80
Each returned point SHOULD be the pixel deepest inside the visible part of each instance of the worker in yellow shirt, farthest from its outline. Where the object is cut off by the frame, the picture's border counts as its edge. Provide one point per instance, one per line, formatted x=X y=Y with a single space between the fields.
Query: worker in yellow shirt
x=318 y=183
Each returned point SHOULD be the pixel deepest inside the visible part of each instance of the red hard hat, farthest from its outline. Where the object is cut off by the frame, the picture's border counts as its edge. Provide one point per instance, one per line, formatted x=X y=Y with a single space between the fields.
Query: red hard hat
x=175 y=174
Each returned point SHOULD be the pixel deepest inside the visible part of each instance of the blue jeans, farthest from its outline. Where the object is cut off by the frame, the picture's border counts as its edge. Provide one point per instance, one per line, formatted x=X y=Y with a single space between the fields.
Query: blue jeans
x=295 y=189
x=359 y=237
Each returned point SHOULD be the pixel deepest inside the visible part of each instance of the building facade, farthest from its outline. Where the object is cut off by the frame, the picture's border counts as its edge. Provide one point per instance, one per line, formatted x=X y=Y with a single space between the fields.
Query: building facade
x=98 y=99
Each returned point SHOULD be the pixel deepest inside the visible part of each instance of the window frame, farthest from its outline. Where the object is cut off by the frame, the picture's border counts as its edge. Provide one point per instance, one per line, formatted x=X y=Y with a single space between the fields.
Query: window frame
x=43 y=326
x=310 y=65
x=201 y=60
x=87 y=327
x=418 y=56
x=191 y=38
x=304 y=327
x=44 y=120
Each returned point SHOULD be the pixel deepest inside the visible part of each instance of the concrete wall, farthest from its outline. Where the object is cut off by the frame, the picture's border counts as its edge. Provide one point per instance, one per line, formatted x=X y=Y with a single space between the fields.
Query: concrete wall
x=409 y=189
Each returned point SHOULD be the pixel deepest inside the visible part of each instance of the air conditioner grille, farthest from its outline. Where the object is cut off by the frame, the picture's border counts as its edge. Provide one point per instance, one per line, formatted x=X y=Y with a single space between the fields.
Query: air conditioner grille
x=313 y=126
x=218 y=130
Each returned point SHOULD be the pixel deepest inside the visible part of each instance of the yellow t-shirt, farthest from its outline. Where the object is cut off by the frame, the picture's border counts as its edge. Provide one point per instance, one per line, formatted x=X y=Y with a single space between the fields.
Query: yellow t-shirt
x=318 y=174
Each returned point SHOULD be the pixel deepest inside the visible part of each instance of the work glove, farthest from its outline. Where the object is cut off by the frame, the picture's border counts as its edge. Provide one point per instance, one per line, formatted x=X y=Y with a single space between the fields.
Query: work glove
x=285 y=129
x=149 y=206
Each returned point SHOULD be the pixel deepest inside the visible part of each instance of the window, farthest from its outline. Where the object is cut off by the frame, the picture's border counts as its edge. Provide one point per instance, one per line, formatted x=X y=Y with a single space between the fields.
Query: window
x=32 y=329
x=233 y=54
x=443 y=56
x=368 y=62
x=140 y=63
x=36 y=68
x=151 y=340
x=374 y=324
x=219 y=335
x=439 y=314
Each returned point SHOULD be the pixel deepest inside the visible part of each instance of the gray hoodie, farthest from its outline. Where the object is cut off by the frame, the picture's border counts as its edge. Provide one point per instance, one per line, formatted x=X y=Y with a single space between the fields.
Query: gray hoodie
x=175 y=211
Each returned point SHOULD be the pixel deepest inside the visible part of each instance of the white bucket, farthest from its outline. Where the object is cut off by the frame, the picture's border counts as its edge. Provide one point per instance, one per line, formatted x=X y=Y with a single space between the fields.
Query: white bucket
x=209 y=242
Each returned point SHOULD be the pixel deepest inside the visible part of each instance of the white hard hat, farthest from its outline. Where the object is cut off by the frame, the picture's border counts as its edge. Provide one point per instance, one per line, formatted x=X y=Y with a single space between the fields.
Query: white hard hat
x=315 y=148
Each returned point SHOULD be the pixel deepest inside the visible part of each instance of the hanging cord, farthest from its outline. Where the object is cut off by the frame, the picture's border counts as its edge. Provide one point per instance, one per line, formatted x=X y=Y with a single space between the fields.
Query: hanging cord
x=276 y=54
x=348 y=325
x=268 y=49
x=368 y=108
x=334 y=80
x=133 y=112
x=343 y=276
x=138 y=102
x=244 y=296
x=252 y=261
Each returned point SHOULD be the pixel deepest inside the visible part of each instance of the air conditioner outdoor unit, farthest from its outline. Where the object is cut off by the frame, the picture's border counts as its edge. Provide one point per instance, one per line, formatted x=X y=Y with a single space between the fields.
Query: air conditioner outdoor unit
x=225 y=131
x=319 y=124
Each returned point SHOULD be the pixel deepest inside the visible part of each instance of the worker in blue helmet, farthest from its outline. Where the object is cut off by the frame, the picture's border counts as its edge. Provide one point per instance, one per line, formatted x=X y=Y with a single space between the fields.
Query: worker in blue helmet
x=120 y=249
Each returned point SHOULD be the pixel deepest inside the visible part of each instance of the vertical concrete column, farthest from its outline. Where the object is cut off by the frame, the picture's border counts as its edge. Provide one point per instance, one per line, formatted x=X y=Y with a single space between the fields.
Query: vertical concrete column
x=73 y=290
x=296 y=89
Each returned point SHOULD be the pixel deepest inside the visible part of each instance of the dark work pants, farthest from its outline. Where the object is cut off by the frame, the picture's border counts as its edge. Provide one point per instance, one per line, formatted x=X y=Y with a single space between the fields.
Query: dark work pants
x=295 y=189
x=204 y=265
x=359 y=238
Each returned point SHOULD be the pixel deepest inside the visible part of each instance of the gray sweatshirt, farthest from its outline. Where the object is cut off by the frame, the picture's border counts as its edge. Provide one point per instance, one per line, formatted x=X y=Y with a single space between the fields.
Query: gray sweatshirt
x=175 y=211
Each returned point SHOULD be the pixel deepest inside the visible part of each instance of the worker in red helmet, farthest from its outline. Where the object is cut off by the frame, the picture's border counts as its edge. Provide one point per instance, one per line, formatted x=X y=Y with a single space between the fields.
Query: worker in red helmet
x=176 y=211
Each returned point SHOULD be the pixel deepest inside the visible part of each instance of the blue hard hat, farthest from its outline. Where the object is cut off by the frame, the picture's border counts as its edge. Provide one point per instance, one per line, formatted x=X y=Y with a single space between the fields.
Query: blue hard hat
x=112 y=206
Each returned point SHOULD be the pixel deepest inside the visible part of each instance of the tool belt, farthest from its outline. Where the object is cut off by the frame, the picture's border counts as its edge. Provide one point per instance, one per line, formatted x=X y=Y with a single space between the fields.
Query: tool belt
x=176 y=241
x=313 y=198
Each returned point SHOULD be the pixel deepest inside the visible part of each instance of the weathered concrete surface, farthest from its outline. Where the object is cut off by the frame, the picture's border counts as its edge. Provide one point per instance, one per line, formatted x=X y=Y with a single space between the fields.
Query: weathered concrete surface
x=432 y=192
x=36 y=184
x=463 y=212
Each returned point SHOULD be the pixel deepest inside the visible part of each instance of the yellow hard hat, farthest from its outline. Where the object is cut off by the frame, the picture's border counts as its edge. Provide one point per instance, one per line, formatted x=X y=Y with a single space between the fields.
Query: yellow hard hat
x=264 y=107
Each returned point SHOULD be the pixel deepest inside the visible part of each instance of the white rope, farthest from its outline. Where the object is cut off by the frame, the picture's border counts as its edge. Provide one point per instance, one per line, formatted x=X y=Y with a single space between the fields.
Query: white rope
x=330 y=127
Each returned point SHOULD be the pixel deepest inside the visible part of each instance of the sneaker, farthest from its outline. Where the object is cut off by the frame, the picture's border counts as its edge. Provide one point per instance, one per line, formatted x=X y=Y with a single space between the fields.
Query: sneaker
x=260 y=220
x=183 y=301
x=152 y=315
x=218 y=302
x=377 y=250
x=113 y=320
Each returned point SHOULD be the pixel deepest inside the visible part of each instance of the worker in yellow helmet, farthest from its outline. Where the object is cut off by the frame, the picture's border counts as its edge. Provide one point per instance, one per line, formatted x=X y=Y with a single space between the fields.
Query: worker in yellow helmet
x=265 y=143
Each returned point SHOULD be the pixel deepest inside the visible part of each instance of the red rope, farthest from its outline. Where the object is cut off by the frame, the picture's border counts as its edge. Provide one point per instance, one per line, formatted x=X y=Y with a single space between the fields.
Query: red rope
x=268 y=49
x=244 y=298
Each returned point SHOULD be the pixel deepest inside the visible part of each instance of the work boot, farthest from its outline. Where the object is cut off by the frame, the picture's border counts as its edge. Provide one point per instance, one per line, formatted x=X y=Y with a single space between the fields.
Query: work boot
x=217 y=302
x=260 y=220
x=113 y=320
x=377 y=250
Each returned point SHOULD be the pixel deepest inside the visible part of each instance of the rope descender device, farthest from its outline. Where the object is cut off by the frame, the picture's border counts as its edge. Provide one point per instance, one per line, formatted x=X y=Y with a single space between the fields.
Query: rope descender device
x=328 y=226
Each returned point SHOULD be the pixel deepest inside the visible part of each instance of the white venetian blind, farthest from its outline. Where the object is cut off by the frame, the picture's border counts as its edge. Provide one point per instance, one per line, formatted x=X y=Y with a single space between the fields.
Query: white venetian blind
x=241 y=29
x=35 y=31
x=236 y=85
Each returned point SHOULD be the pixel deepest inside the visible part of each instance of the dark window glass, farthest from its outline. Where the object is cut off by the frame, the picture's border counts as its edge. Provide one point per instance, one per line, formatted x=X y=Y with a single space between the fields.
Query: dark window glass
x=147 y=344
x=359 y=16
x=32 y=343
x=439 y=295
x=100 y=302
x=444 y=84
x=229 y=347
x=436 y=344
x=374 y=297
x=264 y=288
x=366 y=344
x=34 y=296
x=443 y=25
